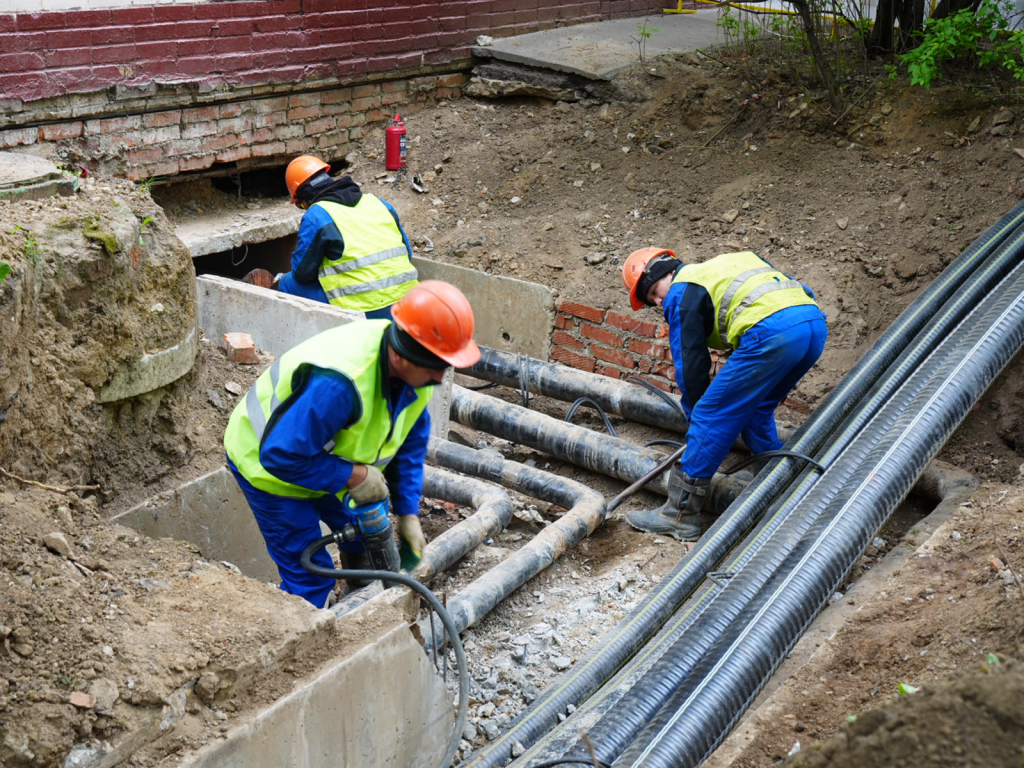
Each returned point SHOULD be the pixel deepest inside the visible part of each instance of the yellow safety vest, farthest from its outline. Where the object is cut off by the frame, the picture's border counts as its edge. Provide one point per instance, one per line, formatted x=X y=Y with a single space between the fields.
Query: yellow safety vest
x=374 y=437
x=375 y=270
x=745 y=289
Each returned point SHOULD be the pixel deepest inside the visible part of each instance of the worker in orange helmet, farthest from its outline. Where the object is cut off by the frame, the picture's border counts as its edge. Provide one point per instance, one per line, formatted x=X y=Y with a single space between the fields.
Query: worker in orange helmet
x=346 y=412
x=351 y=250
x=734 y=302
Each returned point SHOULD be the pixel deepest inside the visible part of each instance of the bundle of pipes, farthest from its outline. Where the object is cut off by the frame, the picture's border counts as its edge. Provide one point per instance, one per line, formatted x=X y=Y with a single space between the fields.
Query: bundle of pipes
x=929 y=318
x=846 y=509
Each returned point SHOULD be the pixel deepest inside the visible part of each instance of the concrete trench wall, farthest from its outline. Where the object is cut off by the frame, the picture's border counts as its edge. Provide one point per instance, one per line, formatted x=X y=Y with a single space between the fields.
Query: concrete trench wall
x=158 y=89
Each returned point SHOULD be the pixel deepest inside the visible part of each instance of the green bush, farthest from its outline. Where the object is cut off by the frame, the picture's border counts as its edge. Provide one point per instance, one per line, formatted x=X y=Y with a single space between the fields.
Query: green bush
x=982 y=37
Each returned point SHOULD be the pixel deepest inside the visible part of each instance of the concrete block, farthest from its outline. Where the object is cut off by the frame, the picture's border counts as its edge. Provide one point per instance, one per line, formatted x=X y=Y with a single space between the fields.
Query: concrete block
x=351 y=714
x=241 y=348
x=277 y=322
x=511 y=315
x=152 y=370
x=211 y=513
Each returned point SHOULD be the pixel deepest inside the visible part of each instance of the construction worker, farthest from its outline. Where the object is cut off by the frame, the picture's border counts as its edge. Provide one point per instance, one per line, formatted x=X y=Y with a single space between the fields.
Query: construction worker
x=346 y=411
x=738 y=302
x=351 y=250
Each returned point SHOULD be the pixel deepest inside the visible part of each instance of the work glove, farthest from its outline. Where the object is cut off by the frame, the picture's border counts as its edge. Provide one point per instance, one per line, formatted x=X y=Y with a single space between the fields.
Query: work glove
x=411 y=541
x=373 y=488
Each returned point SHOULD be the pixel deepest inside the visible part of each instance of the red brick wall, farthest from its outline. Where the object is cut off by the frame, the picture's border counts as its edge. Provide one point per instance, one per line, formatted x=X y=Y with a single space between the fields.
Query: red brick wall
x=158 y=90
x=44 y=55
x=247 y=133
x=616 y=345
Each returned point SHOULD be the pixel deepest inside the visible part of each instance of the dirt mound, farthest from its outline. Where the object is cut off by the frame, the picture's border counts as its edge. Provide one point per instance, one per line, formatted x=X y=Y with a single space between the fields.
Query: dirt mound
x=976 y=719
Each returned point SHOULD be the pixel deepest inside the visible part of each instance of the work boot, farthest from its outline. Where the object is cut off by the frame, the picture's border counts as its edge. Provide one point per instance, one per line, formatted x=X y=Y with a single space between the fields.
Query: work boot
x=680 y=515
x=356 y=561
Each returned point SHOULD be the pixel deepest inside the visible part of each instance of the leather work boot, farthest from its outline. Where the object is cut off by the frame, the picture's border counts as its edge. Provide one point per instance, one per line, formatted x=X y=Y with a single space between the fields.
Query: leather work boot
x=356 y=561
x=680 y=515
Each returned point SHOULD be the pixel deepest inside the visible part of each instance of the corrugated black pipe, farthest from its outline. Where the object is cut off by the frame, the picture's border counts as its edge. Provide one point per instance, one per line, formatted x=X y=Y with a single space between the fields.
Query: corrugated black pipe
x=645 y=619
x=699 y=714
x=942 y=484
x=617 y=729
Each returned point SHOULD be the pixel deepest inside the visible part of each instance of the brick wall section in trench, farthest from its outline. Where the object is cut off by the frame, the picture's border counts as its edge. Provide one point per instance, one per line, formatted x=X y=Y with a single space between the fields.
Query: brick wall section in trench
x=327 y=123
x=612 y=344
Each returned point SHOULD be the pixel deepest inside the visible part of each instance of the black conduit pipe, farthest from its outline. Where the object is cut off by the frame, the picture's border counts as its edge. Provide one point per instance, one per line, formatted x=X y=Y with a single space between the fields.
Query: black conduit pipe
x=699 y=714
x=644 y=620
x=493 y=512
x=564 y=383
x=945 y=485
x=586 y=512
x=579 y=445
x=786 y=525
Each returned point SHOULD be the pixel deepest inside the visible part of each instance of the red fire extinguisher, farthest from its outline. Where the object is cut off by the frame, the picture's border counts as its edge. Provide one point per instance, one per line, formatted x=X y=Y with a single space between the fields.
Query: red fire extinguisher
x=394 y=144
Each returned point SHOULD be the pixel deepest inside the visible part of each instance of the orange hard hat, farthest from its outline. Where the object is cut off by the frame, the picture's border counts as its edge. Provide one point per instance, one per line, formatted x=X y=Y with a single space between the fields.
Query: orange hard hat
x=300 y=170
x=437 y=315
x=634 y=268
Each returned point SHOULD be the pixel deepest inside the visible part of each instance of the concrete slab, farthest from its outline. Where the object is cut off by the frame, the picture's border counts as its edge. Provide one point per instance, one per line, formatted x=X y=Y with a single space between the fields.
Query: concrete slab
x=224 y=231
x=279 y=321
x=27 y=177
x=602 y=49
x=511 y=315
x=352 y=714
x=211 y=513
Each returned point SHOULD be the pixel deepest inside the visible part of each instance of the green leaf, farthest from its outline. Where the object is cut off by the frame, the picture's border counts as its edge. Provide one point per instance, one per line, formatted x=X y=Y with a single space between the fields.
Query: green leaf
x=5 y=270
x=905 y=689
x=992 y=659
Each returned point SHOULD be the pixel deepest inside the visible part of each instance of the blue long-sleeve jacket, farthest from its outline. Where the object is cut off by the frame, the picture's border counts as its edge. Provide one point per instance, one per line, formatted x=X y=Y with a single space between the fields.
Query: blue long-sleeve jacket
x=320 y=238
x=690 y=314
x=293 y=447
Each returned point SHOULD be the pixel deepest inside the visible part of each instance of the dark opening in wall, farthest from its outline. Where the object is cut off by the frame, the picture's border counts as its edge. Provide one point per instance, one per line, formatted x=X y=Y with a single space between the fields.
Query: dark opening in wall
x=272 y=255
x=264 y=182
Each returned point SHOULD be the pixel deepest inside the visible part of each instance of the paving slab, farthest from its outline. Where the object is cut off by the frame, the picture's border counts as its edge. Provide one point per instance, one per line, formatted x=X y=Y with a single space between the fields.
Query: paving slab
x=602 y=49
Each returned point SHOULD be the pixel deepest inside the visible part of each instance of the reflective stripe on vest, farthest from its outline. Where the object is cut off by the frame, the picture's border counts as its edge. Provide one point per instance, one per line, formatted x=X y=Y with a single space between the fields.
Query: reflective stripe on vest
x=353 y=351
x=761 y=290
x=374 y=270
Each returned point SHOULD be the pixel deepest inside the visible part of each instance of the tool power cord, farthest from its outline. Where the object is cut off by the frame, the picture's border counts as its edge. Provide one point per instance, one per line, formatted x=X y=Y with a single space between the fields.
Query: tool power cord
x=435 y=604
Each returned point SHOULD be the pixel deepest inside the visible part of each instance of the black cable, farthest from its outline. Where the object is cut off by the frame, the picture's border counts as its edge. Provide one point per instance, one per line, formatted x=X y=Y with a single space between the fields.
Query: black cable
x=660 y=393
x=587 y=401
x=771 y=454
x=670 y=443
x=481 y=387
x=400 y=578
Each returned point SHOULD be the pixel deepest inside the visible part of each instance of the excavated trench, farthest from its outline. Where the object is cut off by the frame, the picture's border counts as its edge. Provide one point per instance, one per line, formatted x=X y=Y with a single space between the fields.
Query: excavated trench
x=479 y=564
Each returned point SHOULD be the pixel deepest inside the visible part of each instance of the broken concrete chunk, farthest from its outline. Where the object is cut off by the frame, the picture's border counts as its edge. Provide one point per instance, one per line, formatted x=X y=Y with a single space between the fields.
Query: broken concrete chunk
x=730 y=216
x=56 y=542
x=1003 y=117
x=233 y=387
x=105 y=693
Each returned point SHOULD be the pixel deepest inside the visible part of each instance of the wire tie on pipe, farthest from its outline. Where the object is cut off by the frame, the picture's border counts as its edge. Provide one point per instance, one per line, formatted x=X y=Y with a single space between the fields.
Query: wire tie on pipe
x=723 y=575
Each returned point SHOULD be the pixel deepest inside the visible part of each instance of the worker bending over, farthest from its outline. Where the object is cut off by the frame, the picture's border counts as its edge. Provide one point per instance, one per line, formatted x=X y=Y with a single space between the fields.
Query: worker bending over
x=351 y=250
x=739 y=302
x=346 y=411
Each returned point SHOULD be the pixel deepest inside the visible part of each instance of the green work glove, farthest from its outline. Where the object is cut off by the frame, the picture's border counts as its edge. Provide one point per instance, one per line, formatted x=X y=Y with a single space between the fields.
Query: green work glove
x=411 y=541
